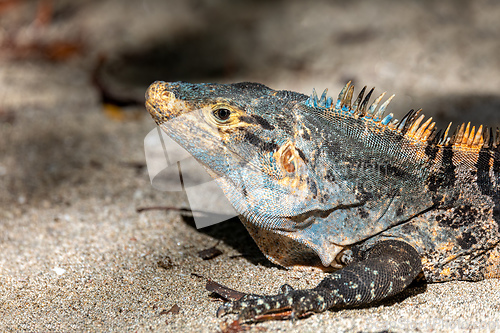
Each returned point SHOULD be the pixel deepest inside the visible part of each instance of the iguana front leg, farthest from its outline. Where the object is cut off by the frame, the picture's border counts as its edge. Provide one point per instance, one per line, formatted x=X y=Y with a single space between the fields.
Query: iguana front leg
x=385 y=270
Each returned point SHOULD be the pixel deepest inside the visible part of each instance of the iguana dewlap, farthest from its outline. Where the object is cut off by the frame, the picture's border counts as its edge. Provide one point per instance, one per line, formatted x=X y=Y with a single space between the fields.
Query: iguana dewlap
x=336 y=183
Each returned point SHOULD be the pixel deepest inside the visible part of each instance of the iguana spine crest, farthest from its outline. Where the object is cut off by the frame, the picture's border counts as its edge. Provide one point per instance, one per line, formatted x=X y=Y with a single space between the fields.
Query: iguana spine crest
x=463 y=138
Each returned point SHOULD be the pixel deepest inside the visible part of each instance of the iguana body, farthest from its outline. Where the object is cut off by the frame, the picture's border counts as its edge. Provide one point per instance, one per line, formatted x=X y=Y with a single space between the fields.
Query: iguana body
x=337 y=184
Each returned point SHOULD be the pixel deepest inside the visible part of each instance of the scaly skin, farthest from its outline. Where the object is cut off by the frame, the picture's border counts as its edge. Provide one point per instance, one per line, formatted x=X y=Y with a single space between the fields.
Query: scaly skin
x=341 y=186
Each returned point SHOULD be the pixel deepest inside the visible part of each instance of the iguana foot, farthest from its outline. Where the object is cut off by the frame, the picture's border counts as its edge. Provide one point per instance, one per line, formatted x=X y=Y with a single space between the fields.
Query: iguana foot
x=288 y=304
x=384 y=270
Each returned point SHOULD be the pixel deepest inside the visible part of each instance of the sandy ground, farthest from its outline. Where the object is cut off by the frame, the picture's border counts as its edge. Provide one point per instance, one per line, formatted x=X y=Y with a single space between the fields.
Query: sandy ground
x=74 y=253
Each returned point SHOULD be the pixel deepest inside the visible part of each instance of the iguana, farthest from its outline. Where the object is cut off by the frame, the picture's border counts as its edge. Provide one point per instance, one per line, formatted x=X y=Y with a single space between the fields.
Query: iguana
x=337 y=184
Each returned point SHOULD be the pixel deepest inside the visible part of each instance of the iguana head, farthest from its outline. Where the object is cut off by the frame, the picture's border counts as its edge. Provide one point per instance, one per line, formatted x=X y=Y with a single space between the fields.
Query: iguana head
x=243 y=129
x=308 y=177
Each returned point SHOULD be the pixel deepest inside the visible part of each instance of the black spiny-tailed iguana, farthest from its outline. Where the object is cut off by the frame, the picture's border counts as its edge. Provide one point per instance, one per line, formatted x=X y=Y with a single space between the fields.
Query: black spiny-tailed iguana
x=337 y=184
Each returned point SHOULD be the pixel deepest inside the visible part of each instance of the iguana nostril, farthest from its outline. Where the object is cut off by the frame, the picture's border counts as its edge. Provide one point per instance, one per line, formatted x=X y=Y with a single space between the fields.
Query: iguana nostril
x=167 y=95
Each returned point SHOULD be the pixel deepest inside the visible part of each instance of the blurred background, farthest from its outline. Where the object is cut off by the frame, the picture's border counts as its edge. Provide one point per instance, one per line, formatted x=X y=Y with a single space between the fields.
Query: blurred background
x=63 y=59
x=68 y=58
x=73 y=75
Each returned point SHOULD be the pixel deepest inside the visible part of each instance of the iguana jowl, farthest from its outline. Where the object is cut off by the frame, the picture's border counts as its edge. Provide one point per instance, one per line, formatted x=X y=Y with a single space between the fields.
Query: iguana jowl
x=338 y=184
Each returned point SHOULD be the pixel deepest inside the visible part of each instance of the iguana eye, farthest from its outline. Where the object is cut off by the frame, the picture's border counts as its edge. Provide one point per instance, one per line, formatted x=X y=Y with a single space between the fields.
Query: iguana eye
x=221 y=114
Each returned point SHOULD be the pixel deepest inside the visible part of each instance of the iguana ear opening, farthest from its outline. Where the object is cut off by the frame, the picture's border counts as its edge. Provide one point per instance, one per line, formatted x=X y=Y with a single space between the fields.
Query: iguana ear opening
x=288 y=161
x=289 y=158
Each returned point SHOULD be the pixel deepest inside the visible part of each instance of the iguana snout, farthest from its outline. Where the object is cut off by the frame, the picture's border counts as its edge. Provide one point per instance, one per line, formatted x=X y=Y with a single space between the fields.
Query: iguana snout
x=162 y=103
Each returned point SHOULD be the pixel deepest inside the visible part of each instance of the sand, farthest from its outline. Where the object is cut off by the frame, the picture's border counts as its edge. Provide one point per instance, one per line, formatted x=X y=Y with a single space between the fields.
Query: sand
x=74 y=253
